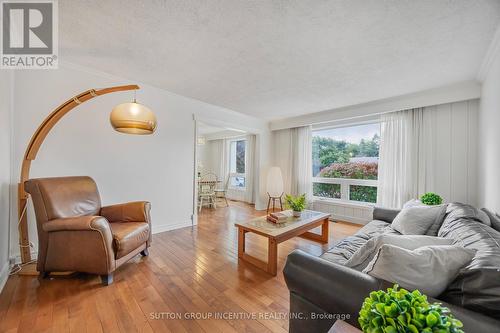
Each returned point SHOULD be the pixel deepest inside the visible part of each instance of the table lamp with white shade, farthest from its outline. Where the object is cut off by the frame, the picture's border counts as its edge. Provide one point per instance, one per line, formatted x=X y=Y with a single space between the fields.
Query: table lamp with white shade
x=274 y=187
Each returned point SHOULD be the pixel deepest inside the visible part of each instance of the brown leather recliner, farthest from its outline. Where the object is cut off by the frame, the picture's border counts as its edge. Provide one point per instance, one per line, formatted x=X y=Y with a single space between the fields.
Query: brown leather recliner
x=76 y=234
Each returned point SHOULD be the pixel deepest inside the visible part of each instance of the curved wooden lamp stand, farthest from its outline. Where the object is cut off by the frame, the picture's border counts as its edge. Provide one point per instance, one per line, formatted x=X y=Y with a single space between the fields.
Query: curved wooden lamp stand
x=32 y=150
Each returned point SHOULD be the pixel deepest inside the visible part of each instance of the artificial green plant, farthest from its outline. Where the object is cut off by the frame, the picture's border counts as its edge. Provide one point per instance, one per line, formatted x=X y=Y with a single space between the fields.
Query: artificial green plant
x=400 y=311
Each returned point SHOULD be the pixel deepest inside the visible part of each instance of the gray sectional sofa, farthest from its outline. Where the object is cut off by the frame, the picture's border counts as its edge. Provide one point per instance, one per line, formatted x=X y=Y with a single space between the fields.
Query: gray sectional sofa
x=323 y=290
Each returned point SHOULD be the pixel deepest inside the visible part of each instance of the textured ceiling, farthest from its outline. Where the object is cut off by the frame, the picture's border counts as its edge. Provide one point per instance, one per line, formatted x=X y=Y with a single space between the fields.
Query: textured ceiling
x=279 y=58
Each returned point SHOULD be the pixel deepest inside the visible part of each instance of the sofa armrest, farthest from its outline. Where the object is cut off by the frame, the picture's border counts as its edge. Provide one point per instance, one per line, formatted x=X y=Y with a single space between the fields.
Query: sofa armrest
x=385 y=214
x=473 y=321
x=137 y=211
x=334 y=288
x=320 y=286
x=79 y=223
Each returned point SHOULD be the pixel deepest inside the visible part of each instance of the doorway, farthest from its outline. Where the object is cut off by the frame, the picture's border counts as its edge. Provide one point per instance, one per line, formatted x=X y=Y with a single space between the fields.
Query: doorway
x=224 y=166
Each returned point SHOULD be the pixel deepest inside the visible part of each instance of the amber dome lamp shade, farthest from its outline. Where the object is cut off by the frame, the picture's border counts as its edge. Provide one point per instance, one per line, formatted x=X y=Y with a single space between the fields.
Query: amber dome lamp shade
x=133 y=118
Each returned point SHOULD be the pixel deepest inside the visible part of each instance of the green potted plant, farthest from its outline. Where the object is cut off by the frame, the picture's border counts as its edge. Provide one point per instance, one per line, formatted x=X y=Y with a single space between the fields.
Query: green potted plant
x=398 y=310
x=296 y=204
x=431 y=199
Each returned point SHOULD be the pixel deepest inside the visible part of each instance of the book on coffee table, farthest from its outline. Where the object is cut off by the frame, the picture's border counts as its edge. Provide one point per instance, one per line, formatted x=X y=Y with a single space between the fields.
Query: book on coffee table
x=277 y=217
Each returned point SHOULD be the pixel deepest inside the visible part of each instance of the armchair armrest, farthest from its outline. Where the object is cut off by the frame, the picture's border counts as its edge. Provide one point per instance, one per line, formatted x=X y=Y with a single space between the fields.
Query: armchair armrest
x=385 y=214
x=79 y=223
x=81 y=243
x=326 y=287
x=137 y=211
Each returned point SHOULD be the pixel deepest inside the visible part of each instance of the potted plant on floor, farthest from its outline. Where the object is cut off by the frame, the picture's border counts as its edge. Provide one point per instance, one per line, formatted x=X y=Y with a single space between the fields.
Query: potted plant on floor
x=399 y=310
x=296 y=204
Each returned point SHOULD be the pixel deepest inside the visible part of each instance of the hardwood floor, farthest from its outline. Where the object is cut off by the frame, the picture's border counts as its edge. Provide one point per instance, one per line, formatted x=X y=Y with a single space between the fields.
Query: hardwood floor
x=191 y=272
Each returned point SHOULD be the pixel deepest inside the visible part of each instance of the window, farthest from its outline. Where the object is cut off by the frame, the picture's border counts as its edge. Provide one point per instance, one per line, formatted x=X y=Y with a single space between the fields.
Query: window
x=345 y=162
x=237 y=160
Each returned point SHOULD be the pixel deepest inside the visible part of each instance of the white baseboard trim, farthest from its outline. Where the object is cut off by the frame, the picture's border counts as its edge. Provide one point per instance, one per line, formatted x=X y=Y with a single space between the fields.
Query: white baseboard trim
x=4 y=275
x=167 y=227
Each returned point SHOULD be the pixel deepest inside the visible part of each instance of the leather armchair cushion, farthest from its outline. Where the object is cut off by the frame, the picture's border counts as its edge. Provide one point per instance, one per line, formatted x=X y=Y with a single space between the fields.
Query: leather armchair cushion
x=137 y=211
x=127 y=236
x=66 y=196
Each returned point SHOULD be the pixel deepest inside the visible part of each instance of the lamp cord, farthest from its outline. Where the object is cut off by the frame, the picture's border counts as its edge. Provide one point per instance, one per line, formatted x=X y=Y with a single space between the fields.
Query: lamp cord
x=19 y=226
x=17 y=267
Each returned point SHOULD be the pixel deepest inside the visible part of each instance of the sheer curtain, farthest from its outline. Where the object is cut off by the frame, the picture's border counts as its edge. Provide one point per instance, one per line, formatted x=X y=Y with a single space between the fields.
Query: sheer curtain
x=220 y=158
x=250 y=168
x=292 y=153
x=406 y=154
x=301 y=181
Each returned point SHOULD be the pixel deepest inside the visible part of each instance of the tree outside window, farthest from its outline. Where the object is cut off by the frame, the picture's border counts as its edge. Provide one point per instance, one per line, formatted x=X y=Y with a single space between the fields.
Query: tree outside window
x=237 y=160
x=346 y=153
x=240 y=156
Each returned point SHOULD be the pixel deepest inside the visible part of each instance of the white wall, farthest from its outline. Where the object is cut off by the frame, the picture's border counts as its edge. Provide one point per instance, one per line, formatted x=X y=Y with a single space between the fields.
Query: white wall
x=209 y=156
x=203 y=158
x=158 y=168
x=489 y=137
x=454 y=170
x=6 y=84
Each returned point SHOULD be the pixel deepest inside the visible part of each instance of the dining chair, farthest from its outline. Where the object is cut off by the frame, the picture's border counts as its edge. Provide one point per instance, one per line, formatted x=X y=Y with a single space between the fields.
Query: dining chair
x=206 y=190
x=220 y=193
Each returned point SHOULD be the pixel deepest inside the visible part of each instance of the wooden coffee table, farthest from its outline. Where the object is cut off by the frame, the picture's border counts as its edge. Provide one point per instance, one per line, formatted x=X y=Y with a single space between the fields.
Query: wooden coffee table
x=278 y=233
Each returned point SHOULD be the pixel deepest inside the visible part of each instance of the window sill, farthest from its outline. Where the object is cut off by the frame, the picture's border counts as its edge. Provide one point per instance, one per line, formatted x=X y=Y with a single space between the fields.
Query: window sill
x=349 y=203
x=240 y=189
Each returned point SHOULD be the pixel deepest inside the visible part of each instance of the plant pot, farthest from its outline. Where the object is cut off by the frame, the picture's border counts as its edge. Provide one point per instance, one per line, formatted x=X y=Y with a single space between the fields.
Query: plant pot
x=296 y=214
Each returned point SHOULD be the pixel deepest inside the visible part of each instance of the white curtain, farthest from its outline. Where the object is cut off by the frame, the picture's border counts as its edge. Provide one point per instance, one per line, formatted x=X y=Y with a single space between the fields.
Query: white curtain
x=406 y=154
x=301 y=181
x=282 y=156
x=219 y=156
x=250 y=168
x=292 y=153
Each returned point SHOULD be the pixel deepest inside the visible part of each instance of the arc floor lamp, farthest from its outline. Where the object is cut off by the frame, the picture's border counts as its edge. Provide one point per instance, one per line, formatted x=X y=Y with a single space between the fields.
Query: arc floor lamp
x=130 y=118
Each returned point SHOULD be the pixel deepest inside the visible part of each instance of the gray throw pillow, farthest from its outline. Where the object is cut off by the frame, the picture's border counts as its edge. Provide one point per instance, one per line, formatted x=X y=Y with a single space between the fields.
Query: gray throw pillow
x=434 y=228
x=483 y=217
x=362 y=257
x=413 y=203
x=494 y=219
x=429 y=269
x=417 y=220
